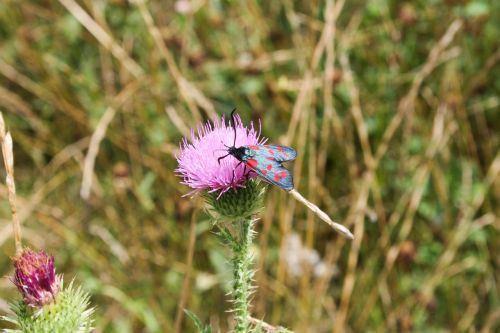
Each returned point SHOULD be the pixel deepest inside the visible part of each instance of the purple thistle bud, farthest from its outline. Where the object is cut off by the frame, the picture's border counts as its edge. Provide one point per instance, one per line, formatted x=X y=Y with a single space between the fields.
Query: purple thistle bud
x=198 y=164
x=35 y=277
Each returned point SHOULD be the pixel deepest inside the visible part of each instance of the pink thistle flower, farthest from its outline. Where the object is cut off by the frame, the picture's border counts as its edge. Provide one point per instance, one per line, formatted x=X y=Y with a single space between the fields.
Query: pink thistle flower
x=35 y=277
x=198 y=164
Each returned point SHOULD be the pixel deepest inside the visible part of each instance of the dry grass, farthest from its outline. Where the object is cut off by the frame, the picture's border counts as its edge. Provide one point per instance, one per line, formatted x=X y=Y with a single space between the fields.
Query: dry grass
x=393 y=108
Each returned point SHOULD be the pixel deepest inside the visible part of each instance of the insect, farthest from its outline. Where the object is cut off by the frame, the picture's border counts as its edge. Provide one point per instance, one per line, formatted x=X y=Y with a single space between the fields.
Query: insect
x=264 y=160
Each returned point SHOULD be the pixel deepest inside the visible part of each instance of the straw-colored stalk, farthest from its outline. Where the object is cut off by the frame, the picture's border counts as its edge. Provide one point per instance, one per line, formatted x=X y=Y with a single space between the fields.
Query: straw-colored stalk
x=321 y=214
x=8 y=159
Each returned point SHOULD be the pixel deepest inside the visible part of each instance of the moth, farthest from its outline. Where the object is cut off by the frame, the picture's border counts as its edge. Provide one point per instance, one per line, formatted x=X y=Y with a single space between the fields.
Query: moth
x=264 y=160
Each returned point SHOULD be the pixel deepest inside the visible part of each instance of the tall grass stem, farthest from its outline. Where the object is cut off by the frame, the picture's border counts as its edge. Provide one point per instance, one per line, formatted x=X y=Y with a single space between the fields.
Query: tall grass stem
x=321 y=214
x=8 y=160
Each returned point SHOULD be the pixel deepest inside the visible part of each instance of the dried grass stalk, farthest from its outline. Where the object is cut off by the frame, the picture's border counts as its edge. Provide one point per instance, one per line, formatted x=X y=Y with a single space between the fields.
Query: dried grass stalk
x=8 y=159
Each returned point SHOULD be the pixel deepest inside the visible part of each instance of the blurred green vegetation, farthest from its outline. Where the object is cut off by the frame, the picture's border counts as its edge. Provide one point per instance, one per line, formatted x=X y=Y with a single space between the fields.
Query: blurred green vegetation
x=393 y=107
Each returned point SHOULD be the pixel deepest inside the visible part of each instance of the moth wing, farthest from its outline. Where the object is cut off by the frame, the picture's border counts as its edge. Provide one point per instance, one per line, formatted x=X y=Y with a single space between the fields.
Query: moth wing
x=272 y=171
x=280 y=153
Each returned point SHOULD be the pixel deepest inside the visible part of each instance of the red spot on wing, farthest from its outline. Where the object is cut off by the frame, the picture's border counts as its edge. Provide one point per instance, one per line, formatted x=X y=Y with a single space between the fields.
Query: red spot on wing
x=264 y=171
x=252 y=163
x=269 y=167
x=280 y=148
x=285 y=153
x=270 y=158
x=254 y=147
x=280 y=175
x=271 y=151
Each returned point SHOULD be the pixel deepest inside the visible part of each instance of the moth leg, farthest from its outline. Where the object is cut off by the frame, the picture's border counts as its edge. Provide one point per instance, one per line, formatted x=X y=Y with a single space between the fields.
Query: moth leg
x=247 y=174
x=237 y=165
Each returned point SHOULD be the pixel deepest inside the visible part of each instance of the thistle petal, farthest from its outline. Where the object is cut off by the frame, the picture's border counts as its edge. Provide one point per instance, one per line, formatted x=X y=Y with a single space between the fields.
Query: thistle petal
x=198 y=159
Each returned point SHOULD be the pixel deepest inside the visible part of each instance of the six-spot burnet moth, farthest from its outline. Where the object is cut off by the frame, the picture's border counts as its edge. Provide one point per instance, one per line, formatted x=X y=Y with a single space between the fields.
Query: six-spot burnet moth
x=266 y=161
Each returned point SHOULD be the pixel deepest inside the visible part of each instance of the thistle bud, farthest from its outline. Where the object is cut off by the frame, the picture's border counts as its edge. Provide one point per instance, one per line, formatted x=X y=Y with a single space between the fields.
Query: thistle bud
x=46 y=306
x=35 y=278
x=236 y=204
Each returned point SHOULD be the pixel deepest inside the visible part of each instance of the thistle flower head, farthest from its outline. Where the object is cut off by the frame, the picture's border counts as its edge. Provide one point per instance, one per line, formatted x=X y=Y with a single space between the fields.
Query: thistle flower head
x=198 y=164
x=35 y=277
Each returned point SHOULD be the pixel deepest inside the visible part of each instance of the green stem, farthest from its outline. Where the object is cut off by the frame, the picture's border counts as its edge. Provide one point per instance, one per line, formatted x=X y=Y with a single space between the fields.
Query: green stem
x=243 y=273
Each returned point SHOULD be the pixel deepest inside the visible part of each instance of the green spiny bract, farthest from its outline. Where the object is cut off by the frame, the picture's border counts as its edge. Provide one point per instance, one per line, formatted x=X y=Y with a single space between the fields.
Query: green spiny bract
x=236 y=204
x=70 y=313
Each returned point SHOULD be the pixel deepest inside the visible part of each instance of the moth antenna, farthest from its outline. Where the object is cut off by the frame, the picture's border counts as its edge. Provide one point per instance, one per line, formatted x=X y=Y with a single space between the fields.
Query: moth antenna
x=216 y=150
x=222 y=157
x=234 y=126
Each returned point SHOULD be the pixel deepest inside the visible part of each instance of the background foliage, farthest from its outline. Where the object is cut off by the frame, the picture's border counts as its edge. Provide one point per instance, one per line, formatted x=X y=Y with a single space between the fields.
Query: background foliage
x=393 y=107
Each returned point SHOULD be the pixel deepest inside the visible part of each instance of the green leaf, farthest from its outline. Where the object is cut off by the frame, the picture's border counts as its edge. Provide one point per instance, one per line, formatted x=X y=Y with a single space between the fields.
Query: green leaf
x=71 y=28
x=144 y=191
x=197 y=322
x=476 y=8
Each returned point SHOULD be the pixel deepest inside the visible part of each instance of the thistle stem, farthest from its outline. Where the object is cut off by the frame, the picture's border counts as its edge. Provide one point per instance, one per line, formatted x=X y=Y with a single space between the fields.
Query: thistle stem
x=243 y=274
